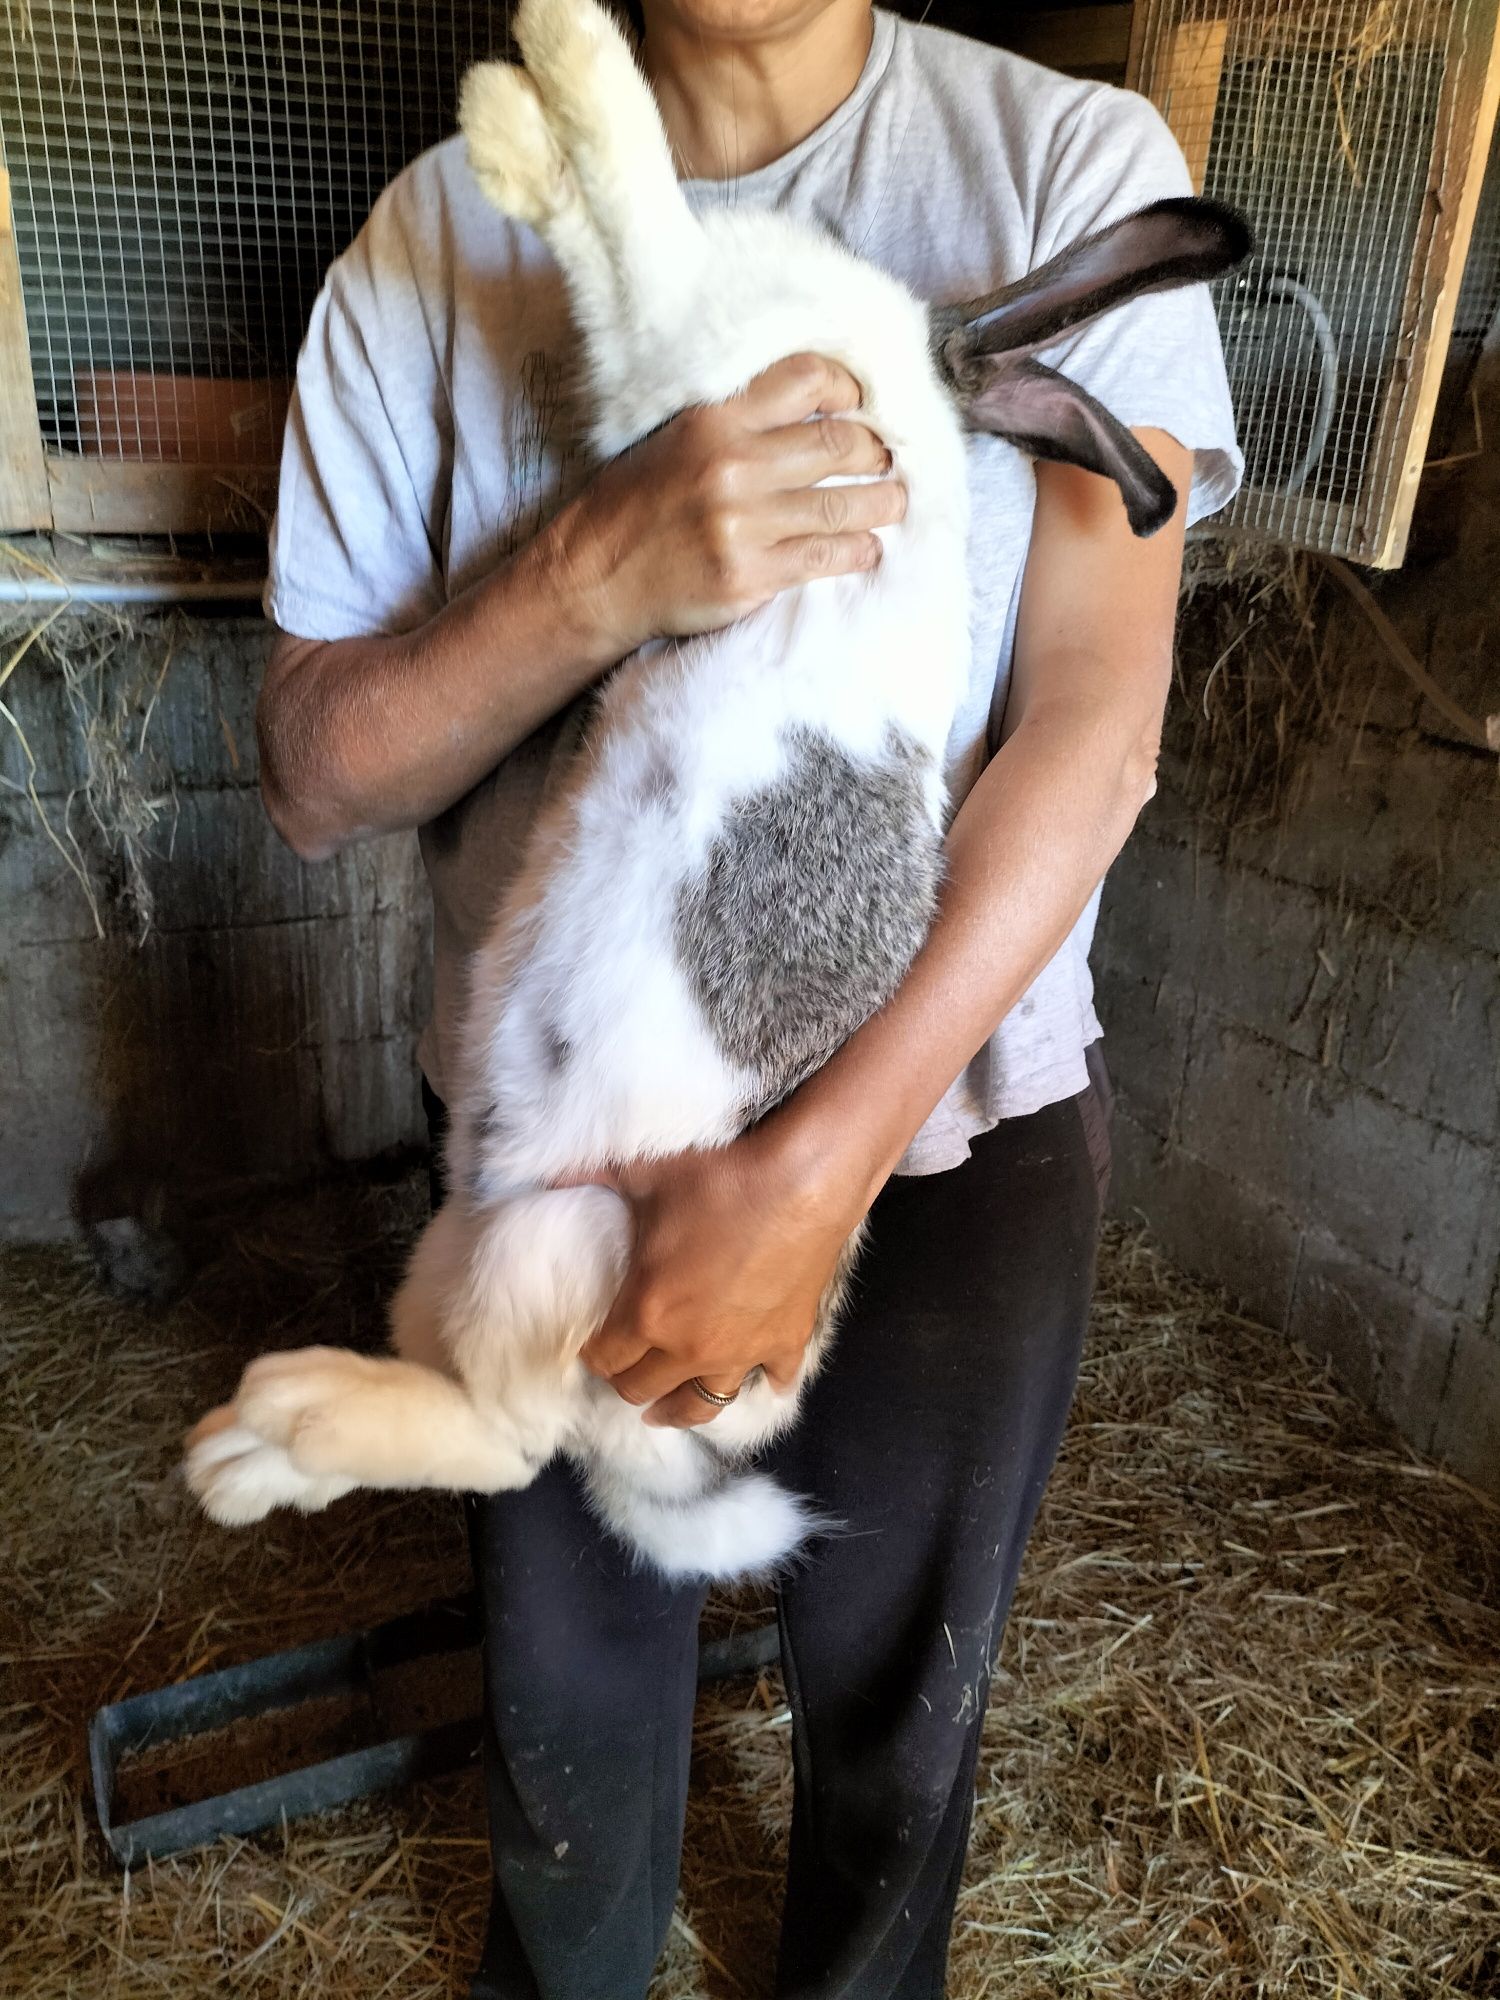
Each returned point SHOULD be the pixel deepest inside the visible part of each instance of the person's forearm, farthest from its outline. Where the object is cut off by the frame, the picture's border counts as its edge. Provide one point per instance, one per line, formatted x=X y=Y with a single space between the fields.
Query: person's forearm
x=1025 y=853
x=362 y=736
x=734 y=1247
x=701 y=523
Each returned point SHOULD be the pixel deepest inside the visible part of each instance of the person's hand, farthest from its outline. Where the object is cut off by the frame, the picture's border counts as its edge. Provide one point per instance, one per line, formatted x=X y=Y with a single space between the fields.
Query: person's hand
x=733 y=1251
x=712 y=515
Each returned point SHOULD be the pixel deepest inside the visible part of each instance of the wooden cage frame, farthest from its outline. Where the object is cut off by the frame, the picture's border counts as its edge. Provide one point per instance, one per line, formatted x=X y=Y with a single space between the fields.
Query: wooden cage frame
x=62 y=493
x=1181 y=77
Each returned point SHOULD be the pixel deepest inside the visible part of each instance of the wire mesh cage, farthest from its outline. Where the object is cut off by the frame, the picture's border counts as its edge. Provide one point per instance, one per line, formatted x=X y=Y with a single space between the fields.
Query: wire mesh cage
x=1353 y=133
x=181 y=173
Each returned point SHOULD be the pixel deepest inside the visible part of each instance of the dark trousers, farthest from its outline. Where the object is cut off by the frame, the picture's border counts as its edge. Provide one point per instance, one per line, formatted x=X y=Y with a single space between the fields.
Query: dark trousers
x=930 y=1436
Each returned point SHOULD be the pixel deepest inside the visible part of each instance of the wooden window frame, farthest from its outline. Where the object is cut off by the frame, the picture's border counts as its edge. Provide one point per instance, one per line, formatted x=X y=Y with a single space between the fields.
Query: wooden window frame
x=47 y=492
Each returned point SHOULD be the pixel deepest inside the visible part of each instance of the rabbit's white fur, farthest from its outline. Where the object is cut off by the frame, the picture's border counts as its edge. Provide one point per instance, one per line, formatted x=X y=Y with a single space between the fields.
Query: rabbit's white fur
x=586 y=1040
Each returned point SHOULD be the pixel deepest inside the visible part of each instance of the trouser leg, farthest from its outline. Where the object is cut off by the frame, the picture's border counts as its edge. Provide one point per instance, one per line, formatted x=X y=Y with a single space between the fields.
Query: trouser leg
x=590 y=1673
x=931 y=1436
x=590 y=1677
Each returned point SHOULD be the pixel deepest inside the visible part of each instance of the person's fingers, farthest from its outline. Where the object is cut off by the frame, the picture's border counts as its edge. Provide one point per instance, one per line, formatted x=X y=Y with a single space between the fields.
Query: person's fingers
x=685 y=1409
x=681 y=1410
x=614 y=1178
x=840 y=510
x=825 y=448
x=798 y=387
x=610 y=1356
x=782 y=1371
x=632 y=1180
x=619 y=1344
x=805 y=558
x=654 y=1375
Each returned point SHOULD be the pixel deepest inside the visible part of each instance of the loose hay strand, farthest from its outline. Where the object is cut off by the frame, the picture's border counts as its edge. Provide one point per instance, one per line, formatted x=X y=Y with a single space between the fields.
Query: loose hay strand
x=127 y=790
x=1241 y=1739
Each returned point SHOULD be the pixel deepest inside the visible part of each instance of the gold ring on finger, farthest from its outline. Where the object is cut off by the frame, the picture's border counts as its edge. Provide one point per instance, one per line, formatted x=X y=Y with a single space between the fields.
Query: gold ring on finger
x=700 y=1388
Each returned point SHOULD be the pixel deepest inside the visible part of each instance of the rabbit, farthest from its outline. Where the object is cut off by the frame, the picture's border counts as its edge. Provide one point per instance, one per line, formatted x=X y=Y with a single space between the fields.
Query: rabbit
x=745 y=857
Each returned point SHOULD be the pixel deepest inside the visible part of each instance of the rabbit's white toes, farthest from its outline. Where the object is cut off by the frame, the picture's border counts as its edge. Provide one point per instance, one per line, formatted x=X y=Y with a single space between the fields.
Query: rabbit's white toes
x=238 y=1477
x=309 y=1403
x=512 y=151
x=584 y=70
x=556 y=36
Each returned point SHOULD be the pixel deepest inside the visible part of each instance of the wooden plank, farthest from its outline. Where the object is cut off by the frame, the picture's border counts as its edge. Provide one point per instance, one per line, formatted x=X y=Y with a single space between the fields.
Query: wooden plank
x=1090 y=41
x=1336 y=527
x=1181 y=74
x=116 y=496
x=1195 y=66
x=1463 y=134
x=183 y=571
x=25 y=501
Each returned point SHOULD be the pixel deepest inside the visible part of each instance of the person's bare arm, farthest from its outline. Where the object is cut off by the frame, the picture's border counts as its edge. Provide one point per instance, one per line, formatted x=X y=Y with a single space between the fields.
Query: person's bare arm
x=733 y=1249
x=1093 y=668
x=701 y=523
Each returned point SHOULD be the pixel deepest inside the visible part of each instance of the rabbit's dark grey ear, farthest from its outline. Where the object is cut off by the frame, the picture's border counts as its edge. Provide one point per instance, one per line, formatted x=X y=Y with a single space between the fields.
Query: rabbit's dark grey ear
x=1047 y=416
x=985 y=349
x=1182 y=241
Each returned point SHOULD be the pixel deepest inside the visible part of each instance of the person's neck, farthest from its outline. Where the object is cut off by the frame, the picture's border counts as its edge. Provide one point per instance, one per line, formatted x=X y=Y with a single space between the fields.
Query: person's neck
x=733 y=104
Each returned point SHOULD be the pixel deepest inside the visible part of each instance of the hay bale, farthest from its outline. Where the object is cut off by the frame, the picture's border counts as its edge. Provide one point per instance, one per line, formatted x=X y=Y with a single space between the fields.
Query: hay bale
x=1241 y=1741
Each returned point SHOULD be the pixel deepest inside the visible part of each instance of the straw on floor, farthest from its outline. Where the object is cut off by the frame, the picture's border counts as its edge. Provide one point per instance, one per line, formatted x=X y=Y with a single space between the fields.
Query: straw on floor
x=1242 y=1738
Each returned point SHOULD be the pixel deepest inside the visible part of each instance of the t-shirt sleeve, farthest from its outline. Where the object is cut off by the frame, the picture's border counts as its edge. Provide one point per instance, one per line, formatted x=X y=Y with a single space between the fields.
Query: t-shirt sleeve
x=1158 y=361
x=355 y=546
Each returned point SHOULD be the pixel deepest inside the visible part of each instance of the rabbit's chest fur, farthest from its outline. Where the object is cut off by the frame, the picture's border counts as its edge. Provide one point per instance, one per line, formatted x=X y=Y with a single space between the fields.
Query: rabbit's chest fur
x=747 y=855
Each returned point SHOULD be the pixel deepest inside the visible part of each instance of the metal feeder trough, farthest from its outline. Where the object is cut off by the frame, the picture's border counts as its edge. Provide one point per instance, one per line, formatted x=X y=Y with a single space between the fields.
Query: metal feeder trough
x=347 y=1673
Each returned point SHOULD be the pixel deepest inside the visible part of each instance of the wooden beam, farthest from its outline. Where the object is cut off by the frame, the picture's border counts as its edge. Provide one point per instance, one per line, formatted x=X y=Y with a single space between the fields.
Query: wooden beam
x=1181 y=75
x=1090 y=41
x=25 y=501
x=120 y=497
x=1195 y=67
x=1462 y=137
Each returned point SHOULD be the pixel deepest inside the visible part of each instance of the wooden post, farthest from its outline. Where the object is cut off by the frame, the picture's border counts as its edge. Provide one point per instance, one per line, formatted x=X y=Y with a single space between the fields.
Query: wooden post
x=1083 y=41
x=1462 y=136
x=1182 y=80
x=25 y=498
x=1195 y=65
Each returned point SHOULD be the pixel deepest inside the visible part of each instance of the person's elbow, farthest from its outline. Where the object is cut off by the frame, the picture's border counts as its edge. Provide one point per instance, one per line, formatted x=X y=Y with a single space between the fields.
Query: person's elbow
x=300 y=777
x=1110 y=751
x=1121 y=752
x=1138 y=768
x=306 y=828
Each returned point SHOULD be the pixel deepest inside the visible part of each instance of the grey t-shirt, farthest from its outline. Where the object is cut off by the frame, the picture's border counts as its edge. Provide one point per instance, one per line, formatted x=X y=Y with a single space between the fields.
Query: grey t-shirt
x=431 y=434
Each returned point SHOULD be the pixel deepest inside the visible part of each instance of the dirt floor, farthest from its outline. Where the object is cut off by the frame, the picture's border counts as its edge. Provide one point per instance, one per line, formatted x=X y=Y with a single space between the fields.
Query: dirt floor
x=1243 y=1736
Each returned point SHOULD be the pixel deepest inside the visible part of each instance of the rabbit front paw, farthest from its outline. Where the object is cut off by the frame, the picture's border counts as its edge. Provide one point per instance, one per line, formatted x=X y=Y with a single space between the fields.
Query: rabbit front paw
x=238 y=1477
x=290 y=1438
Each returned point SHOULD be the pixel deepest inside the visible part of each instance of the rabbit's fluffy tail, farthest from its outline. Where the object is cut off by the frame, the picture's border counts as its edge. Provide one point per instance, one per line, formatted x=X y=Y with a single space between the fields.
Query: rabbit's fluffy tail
x=739 y=1526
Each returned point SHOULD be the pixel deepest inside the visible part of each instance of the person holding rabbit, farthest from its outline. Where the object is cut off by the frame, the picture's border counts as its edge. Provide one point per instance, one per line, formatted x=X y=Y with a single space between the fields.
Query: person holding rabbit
x=451 y=579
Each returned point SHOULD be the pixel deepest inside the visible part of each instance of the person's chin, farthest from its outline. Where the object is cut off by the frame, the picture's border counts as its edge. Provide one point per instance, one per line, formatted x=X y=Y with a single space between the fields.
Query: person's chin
x=743 y=19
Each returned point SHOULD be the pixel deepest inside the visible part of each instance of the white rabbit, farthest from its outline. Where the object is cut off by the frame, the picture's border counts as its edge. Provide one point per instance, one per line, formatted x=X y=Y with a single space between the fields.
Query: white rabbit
x=747 y=855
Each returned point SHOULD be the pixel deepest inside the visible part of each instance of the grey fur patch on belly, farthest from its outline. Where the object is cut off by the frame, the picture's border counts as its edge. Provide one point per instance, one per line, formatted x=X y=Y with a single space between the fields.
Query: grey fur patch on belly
x=813 y=902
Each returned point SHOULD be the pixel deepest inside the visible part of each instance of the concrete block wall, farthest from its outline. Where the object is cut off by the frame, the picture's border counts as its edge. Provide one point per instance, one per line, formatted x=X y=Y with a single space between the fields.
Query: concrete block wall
x=1303 y=1022
x=266 y=1025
